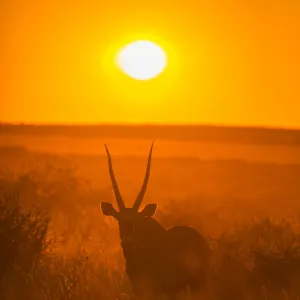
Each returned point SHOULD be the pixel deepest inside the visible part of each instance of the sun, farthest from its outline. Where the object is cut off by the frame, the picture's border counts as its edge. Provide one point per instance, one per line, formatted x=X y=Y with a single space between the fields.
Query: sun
x=142 y=60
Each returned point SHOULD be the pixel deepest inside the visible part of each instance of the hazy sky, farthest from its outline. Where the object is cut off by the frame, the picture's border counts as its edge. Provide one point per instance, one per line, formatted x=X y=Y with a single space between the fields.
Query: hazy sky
x=230 y=62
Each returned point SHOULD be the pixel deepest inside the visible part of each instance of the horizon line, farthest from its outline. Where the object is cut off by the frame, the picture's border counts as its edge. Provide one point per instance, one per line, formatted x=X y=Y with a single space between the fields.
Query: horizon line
x=144 y=124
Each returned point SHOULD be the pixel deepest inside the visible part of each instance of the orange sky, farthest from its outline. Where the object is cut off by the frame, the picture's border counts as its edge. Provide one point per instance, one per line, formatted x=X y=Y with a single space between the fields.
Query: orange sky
x=231 y=62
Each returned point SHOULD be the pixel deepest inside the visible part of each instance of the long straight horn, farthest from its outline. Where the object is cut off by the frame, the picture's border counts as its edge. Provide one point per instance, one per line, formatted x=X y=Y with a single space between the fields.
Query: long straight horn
x=140 y=196
x=118 y=196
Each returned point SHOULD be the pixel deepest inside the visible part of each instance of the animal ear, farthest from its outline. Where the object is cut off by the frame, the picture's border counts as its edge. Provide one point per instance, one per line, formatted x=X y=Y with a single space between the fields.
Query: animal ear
x=149 y=210
x=108 y=210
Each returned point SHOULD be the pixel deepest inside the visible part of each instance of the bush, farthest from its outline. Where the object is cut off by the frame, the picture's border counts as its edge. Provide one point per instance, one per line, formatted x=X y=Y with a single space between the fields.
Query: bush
x=23 y=235
x=46 y=185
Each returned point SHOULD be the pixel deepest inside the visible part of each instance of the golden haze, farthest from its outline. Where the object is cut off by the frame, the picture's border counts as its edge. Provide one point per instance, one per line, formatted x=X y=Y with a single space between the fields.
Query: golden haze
x=231 y=62
x=244 y=198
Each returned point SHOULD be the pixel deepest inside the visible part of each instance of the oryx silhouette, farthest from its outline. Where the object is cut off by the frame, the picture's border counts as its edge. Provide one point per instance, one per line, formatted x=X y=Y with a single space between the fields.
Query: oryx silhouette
x=158 y=260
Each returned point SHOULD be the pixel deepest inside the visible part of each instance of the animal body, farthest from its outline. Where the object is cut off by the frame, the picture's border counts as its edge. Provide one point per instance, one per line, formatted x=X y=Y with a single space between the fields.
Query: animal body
x=158 y=260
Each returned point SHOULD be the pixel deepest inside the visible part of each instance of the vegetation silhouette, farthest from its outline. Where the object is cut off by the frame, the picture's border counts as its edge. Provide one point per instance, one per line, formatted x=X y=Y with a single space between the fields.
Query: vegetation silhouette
x=46 y=238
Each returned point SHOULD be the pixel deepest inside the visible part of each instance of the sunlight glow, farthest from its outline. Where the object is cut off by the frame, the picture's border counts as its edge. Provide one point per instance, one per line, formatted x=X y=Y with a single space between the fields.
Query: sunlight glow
x=142 y=60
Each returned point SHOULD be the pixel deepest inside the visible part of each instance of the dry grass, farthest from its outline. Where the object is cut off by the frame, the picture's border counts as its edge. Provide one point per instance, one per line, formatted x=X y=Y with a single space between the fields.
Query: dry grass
x=72 y=251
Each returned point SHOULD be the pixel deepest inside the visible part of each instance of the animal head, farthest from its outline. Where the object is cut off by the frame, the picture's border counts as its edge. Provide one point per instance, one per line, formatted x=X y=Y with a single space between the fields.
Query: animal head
x=129 y=218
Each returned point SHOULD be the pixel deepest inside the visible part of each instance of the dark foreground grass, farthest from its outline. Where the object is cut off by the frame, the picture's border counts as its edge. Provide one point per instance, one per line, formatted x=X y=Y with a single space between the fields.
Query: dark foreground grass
x=50 y=250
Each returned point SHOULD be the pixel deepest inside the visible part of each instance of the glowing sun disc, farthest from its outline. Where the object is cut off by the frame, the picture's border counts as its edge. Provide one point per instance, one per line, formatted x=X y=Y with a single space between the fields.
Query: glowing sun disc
x=142 y=60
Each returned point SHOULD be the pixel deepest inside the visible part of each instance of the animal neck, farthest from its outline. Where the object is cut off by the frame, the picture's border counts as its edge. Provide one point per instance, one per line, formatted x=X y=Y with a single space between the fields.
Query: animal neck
x=149 y=236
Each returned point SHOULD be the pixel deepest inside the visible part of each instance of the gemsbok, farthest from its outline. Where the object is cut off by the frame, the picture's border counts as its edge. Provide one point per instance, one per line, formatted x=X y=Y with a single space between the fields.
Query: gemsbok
x=158 y=260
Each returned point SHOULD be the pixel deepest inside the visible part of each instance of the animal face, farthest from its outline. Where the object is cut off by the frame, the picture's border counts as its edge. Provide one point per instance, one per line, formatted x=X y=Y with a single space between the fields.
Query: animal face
x=129 y=219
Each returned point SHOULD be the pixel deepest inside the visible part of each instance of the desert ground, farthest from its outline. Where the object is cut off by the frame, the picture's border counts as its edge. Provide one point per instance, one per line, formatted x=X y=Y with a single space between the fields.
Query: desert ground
x=239 y=187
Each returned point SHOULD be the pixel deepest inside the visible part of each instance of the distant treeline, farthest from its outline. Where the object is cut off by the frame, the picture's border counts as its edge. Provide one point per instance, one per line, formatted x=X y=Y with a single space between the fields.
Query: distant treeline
x=204 y=133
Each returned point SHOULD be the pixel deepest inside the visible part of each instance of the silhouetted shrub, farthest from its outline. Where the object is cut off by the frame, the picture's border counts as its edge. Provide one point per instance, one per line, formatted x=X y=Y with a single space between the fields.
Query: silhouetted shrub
x=47 y=185
x=23 y=235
